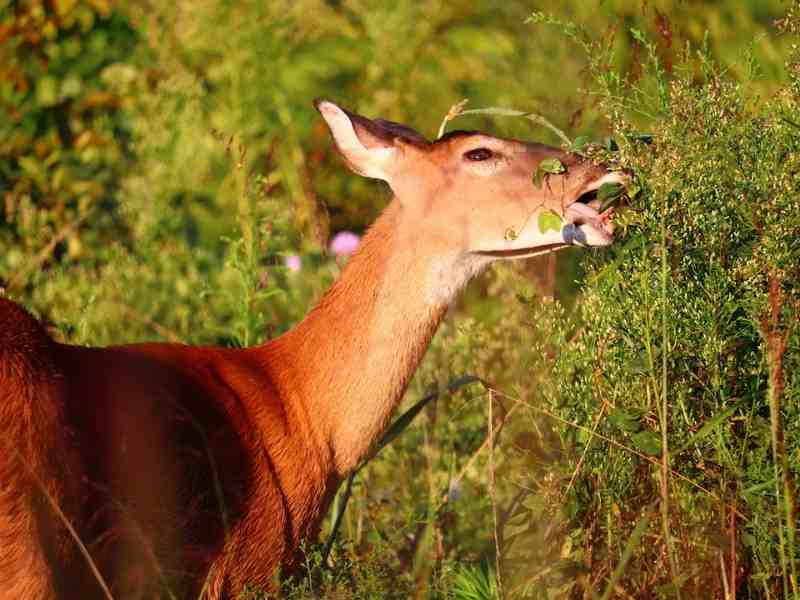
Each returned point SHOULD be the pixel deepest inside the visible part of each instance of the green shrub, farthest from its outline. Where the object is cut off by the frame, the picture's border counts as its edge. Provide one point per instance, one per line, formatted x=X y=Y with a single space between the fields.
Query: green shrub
x=63 y=140
x=688 y=358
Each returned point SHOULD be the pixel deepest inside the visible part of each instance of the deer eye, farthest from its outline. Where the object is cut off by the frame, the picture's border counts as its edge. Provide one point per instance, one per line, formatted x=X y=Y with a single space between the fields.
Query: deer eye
x=478 y=154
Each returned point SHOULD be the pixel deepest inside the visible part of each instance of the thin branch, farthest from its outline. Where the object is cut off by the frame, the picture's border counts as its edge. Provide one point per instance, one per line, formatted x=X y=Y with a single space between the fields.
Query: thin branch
x=457 y=110
x=665 y=464
x=164 y=332
x=585 y=451
x=45 y=252
x=462 y=473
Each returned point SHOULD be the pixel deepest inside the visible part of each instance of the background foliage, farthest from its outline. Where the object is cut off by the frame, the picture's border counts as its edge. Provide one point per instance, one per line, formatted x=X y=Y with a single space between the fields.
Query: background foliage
x=158 y=160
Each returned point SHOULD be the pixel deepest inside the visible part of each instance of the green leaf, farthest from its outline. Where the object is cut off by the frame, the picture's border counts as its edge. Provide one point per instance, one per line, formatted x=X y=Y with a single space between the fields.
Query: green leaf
x=552 y=165
x=579 y=143
x=709 y=427
x=548 y=220
x=608 y=193
x=767 y=487
x=35 y=170
x=790 y=122
x=474 y=583
x=630 y=549
x=403 y=421
x=549 y=166
x=648 y=442
x=510 y=235
x=47 y=91
x=638 y=36
x=628 y=421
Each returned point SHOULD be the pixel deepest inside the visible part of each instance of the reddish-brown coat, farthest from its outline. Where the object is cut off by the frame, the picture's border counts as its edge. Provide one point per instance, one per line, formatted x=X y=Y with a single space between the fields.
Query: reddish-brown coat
x=209 y=462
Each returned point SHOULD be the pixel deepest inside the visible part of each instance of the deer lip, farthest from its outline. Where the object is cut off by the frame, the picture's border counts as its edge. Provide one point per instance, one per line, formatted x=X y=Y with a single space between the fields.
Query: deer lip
x=584 y=226
x=584 y=213
x=597 y=227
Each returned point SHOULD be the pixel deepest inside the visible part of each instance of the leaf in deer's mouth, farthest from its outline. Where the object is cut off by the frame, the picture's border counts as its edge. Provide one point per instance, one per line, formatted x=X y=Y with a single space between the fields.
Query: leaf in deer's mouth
x=609 y=193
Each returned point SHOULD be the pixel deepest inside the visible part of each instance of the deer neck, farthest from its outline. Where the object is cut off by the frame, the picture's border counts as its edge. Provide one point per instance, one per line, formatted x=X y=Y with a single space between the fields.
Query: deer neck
x=347 y=364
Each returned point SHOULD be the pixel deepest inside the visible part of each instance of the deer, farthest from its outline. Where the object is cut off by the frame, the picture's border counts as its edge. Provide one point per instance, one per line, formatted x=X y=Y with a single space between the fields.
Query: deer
x=132 y=469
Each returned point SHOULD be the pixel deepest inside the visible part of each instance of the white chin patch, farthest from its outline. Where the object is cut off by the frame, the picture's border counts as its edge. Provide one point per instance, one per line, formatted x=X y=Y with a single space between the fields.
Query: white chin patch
x=447 y=277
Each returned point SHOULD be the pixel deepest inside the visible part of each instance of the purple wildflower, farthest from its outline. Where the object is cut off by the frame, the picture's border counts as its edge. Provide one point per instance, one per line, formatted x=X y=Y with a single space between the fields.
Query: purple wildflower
x=293 y=262
x=344 y=243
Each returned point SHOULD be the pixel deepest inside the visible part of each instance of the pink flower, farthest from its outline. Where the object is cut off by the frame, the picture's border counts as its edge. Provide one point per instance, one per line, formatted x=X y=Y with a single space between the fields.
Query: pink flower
x=344 y=243
x=293 y=262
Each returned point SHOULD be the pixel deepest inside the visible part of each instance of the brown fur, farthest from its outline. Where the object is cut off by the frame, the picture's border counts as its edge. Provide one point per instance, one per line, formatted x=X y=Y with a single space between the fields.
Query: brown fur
x=201 y=468
x=151 y=428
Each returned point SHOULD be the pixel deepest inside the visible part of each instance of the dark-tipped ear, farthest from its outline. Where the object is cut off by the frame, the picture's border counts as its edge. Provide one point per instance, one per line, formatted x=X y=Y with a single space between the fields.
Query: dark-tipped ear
x=370 y=147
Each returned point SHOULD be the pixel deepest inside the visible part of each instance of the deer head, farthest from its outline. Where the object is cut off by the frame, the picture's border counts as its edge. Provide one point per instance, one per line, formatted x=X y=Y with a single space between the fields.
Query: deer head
x=474 y=195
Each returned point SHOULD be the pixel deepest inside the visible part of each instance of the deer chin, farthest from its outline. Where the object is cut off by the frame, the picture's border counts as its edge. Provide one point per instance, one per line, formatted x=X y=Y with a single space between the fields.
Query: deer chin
x=522 y=252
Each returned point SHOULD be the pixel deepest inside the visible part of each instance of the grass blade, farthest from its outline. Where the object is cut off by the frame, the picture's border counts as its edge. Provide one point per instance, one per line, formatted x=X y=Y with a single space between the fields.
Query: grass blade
x=708 y=427
x=627 y=553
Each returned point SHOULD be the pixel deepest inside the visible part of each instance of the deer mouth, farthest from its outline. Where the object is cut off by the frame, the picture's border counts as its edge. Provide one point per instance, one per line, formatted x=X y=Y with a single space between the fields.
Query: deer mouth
x=583 y=223
x=586 y=224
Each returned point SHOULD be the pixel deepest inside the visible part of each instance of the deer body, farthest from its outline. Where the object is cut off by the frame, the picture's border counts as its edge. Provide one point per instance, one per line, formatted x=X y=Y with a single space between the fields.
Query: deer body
x=200 y=468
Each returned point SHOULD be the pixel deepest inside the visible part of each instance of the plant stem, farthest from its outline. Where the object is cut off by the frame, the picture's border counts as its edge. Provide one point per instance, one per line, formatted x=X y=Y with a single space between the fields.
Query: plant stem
x=776 y=340
x=493 y=494
x=665 y=469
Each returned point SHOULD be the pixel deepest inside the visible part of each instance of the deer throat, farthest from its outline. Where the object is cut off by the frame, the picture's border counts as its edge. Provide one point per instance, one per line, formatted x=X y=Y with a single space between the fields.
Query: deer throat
x=364 y=340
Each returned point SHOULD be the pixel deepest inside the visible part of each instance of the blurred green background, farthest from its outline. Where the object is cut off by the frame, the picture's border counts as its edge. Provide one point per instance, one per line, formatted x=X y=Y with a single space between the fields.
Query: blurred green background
x=123 y=124
x=159 y=160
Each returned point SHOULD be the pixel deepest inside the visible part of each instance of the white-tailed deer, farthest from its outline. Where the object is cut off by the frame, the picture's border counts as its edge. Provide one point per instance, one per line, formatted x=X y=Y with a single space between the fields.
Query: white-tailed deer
x=202 y=469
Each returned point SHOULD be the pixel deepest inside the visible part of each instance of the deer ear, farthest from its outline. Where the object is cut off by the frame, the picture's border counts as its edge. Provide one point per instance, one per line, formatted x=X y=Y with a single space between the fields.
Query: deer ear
x=370 y=147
